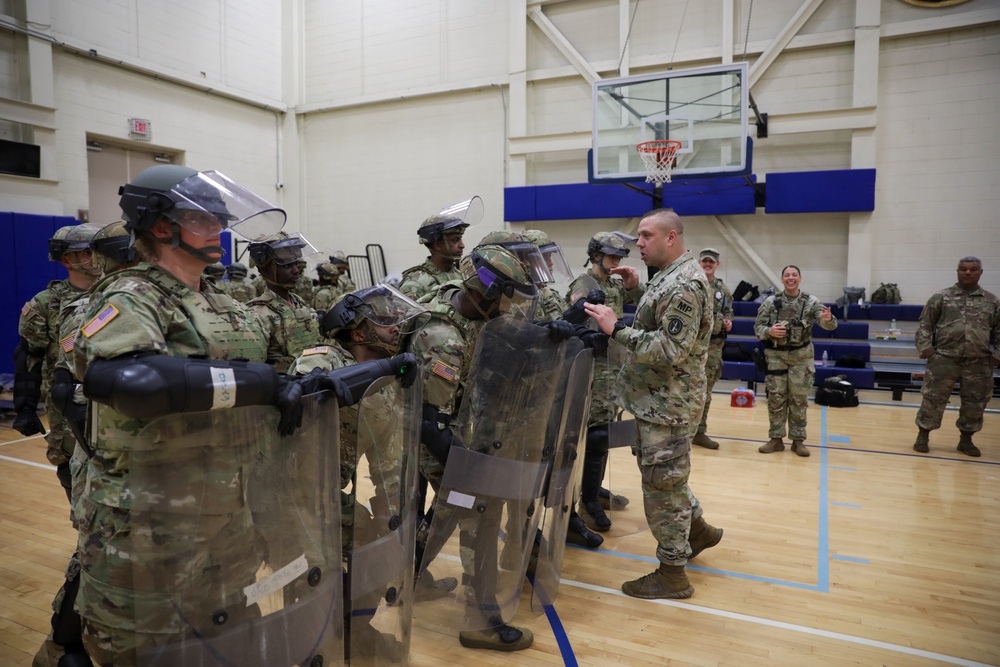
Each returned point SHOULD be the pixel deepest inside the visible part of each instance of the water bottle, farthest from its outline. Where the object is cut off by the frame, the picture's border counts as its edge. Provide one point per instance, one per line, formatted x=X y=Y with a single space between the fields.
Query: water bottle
x=826 y=358
x=892 y=327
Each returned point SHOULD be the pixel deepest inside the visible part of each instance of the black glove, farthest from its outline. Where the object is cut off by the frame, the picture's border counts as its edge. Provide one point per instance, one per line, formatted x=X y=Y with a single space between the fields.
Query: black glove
x=596 y=341
x=575 y=314
x=437 y=440
x=595 y=296
x=292 y=389
x=406 y=367
x=559 y=330
x=27 y=422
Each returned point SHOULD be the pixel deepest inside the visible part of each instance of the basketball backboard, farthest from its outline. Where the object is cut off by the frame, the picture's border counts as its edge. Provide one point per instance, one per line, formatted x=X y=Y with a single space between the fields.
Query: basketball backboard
x=704 y=108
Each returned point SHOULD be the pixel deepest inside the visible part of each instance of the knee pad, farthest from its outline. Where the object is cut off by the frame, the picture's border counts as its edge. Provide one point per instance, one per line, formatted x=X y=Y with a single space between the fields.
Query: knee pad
x=597 y=439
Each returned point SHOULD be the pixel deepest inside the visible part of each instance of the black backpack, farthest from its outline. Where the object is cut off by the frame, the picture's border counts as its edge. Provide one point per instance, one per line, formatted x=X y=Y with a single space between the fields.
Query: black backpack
x=837 y=392
x=886 y=293
x=735 y=351
x=745 y=292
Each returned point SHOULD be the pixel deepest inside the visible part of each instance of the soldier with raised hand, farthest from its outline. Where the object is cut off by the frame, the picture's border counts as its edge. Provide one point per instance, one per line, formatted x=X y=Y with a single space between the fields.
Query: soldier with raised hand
x=662 y=383
x=620 y=285
x=721 y=325
x=442 y=234
x=784 y=323
x=290 y=323
x=238 y=286
x=36 y=353
x=959 y=336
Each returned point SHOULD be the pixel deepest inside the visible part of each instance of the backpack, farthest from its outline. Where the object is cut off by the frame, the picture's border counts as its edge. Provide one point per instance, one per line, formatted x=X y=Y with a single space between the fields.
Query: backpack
x=837 y=392
x=886 y=293
x=735 y=351
x=745 y=292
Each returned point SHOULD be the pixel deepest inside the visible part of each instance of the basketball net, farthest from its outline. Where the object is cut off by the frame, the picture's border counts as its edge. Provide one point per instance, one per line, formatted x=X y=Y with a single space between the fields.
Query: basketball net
x=658 y=157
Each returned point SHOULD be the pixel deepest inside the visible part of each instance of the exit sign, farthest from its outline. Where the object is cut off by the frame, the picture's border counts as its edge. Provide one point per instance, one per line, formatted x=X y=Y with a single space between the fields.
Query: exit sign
x=140 y=129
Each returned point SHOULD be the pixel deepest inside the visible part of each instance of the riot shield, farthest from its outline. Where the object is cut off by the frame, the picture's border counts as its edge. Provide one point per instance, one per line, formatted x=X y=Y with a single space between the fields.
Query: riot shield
x=621 y=432
x=564 y=479
x=235 y=539
x=380 y=561
x=581 y=286
x=491 y=488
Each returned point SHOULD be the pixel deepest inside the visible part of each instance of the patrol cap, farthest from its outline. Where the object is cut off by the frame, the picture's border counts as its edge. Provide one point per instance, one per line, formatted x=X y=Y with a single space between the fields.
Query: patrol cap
x=711 y=253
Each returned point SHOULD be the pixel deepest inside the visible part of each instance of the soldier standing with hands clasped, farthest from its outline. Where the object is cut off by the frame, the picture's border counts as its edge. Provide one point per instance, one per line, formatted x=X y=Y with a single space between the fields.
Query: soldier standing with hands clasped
x=662 y=383
x=959 y=336
x=721 y=325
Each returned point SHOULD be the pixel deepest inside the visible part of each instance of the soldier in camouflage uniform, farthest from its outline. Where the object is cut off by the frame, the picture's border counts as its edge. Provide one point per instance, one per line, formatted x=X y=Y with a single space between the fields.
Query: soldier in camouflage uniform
x=722 y=324
x=620 y=285
x=37 y=350
x=662 y=383
x=290 y=324
x=216 y=271
x=344 y=283
x=160 y=311
x=784 y=323
x=238 y=286
x=959 y=336
x=329 y=291
x=551 y=305
x=442 y=234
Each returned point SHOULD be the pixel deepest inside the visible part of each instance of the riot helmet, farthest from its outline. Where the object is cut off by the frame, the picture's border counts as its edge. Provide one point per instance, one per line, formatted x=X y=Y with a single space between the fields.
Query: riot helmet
x=281 y=251
x=552 y=253
x=73 y=239
x=526 y=251
x=389 y=314
x=498 y=277
x=327 y=272
x=205 y=203
x=457 y=217
x=113 y=248
x=236 y=271
x=608 y=243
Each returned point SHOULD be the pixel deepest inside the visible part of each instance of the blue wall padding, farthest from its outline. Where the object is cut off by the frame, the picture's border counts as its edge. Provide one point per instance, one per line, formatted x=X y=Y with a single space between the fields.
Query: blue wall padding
x=840 y=190
x=25 y=270
x=745 y=308
x=852 y=330
x=904 y=312
x=739 y=370
x=573 y=201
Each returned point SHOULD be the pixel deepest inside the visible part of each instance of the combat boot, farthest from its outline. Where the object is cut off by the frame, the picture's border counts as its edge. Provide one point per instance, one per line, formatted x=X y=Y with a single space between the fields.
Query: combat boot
x=703 y=536
x=772 y=445
x=611 y=501
x=593 y=515
x=428 y=588
x=799 y=448
x=965 y=445
x=668 y=581
x=922 y=444
x=703 y=440
x=577 y=533
x=503 y=638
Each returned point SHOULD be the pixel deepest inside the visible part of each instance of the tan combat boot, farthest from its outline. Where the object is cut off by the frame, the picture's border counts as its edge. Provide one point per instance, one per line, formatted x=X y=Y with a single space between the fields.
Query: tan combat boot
x=703 y=536
x=922 y=444
x=799 y=448
x=703 y=440
x=772 y=445
x=965 y=445
x=668 y=581
x=503 y=638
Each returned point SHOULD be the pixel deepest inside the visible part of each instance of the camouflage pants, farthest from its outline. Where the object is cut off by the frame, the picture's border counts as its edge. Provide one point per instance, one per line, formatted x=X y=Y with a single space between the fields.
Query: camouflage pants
x=975 y=378
x=664 y=460
x=788 y=394
x=713 y=371
x=59 y=440
x=602 y=406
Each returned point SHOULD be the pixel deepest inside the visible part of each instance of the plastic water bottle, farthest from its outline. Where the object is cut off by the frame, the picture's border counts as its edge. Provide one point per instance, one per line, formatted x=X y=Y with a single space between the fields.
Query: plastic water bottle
x=826 y=358
x=892 y=327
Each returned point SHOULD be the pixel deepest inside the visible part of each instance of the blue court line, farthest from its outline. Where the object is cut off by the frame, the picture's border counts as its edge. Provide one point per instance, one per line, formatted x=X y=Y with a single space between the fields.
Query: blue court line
x=823 y=546
x=835 y=504
x=839 y=439
x=849 y=559
x=562 y=640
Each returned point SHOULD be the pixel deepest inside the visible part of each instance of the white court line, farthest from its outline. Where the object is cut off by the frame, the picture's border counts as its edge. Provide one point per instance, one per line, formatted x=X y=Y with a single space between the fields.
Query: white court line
x=44 y=466
x=795 y=628
x=12 y=442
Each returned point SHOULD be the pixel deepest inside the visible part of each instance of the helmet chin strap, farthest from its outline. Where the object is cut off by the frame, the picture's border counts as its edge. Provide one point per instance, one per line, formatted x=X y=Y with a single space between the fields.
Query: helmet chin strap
x=454 y=260
x=201 y=254
x=374 y=340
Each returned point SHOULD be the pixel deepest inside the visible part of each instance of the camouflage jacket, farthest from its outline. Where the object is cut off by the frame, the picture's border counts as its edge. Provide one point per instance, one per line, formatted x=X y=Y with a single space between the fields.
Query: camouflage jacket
x=241 y=290
x=550 y=306
x=444 y=348
x=424 y=279
x=960 y=323
x=326 y=297
x=615 y=293
x=146 y=309
x=722 y=300
x=289 y=328
x=663 y=378
x=783 y=308
x=39 y=324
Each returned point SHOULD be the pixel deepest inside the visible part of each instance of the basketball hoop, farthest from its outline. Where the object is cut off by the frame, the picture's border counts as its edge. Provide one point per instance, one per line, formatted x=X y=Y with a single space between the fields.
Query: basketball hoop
x=658 y=157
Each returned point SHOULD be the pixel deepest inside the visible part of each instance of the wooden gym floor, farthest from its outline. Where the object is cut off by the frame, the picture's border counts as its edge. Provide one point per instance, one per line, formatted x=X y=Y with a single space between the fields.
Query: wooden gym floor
x=866 y=553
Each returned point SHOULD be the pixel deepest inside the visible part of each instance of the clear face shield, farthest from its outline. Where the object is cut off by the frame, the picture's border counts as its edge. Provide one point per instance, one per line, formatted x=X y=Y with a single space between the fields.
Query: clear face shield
x=556 y=262
x=385 y=306
x=294 y=249
x=531 y=257
x=209 y=202
x=504 y=296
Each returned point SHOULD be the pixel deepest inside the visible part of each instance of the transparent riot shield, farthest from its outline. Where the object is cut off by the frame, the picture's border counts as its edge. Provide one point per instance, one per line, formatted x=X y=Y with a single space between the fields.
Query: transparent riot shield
x=564 y=480
x=491 y=488
x=235 y=539
x=581 y=286
x=380 y=560
x=621 y=432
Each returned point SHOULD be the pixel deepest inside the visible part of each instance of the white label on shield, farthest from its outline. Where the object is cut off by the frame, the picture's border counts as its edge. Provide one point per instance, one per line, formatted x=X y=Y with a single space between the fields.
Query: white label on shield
x=277 y=581
x=461 y=499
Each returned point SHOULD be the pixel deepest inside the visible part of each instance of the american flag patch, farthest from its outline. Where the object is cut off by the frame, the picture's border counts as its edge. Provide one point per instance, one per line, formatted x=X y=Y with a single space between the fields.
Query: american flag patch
x=99 y=321
x=25 y=309
x=322 y=349
x=67 y=342
x=443 y=370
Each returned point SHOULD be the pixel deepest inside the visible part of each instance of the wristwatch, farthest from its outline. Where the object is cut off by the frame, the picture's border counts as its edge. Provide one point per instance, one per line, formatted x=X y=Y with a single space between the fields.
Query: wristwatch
x=619 y=326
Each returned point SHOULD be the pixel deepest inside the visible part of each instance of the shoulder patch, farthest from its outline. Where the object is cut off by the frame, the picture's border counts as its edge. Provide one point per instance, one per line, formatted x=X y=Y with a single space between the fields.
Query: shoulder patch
x=675 y=325
x=68 y=342
x=26 y=308
x=99 y=321
x=683 y=307
x=443 y=370
x=322 y=349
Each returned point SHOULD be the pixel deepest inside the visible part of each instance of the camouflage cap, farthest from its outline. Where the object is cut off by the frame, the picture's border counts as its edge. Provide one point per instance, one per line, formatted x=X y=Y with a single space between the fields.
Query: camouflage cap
x=711 y=253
